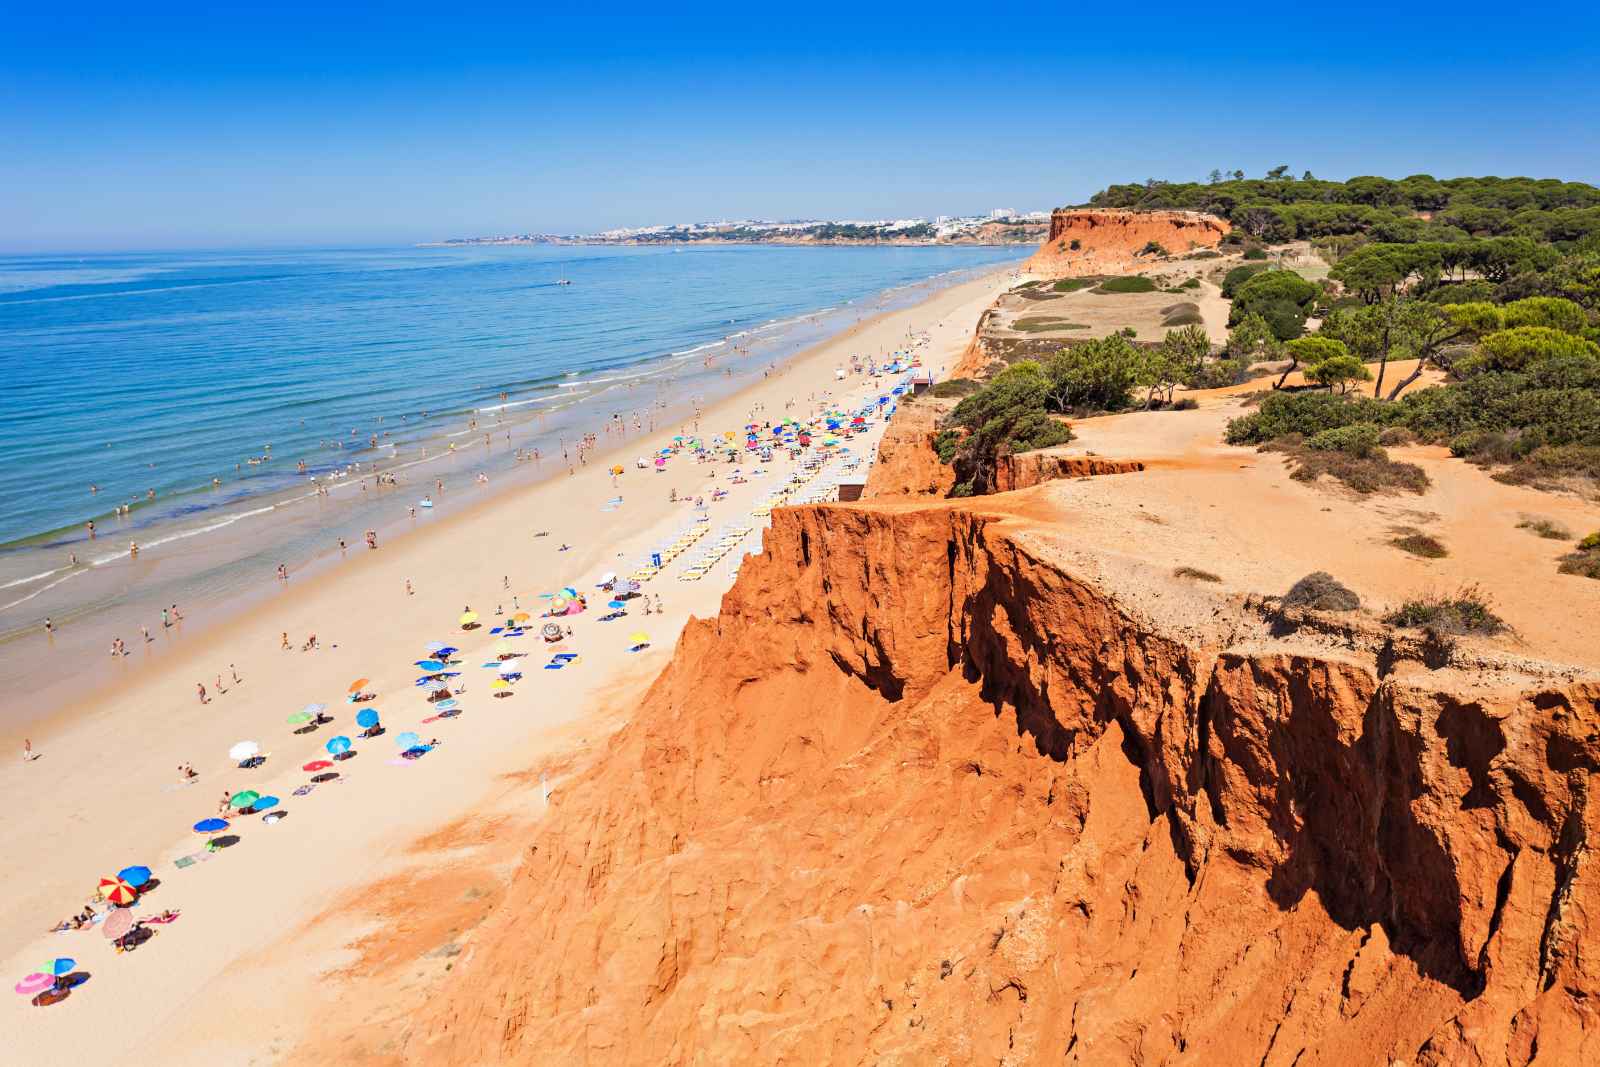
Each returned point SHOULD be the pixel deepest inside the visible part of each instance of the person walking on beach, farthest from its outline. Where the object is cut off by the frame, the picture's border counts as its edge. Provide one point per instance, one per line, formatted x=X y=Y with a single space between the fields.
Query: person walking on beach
x=286 y=641
x=219 y=683
x=166 y=623
x=201 y=686
x=49 y=627
x=28 y=755
x=410 y=591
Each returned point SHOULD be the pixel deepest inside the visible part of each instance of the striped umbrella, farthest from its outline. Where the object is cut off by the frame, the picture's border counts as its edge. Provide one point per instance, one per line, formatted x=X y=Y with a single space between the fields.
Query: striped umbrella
x=117 y=891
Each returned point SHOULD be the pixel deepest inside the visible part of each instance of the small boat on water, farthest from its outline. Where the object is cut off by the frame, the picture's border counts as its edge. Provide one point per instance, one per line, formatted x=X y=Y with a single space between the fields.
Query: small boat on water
x=563 y=281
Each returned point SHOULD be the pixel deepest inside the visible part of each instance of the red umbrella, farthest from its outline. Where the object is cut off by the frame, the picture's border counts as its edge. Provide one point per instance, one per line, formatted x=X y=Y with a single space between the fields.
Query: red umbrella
x=317 y=765
x=117 y=891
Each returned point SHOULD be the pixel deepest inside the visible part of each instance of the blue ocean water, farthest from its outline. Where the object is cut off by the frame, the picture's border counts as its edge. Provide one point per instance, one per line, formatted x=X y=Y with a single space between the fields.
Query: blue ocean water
x=191 y=386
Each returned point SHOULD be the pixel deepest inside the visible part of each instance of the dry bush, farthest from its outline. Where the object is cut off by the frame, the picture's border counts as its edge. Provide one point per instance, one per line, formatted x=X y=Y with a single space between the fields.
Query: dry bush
x=1196 y=573
x=1546 y=528
x=1420 y=544
x=1321 y=591
x=1466 y=611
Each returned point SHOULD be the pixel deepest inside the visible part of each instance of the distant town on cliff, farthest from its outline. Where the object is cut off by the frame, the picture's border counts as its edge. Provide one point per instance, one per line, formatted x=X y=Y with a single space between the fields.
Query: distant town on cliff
x=1000 y=226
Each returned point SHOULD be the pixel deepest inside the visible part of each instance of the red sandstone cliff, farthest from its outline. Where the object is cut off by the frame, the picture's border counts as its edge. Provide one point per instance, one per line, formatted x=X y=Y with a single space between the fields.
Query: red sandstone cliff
x=1109 y=241
x=907 y=465
x=925 y=793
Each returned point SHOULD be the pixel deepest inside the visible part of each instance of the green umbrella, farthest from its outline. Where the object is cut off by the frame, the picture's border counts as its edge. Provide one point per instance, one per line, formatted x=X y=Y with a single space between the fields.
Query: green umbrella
x=244 y=799
x=299 y=717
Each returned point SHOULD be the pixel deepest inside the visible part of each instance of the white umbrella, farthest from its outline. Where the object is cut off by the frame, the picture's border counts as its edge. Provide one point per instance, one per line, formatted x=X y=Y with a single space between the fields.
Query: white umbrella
x=314 y=710
x=244 y=750
x=608 y=577
x=510 y=667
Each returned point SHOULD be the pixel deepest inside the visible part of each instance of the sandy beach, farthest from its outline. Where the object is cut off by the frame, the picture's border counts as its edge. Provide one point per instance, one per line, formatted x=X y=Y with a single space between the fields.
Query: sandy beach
x=104 y=791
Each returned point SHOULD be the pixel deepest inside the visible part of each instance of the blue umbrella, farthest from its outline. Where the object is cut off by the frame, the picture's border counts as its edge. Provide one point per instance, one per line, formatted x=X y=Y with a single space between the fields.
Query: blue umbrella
x=616 y=604
x=409 y=739
x=367 y=718
x=445 y=705
x=432 y=664
x=62 y=966
x=264 y=804
x=210 y=826
x=338 y=746
x=134 y=876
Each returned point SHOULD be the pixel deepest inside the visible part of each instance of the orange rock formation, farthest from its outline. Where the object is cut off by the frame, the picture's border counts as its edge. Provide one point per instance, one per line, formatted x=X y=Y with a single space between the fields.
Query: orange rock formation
x=1109 y=241
x=927 y=791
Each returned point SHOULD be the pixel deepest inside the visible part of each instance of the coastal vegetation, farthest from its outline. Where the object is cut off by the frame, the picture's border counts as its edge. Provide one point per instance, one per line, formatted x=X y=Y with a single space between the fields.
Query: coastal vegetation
x=1419 y=208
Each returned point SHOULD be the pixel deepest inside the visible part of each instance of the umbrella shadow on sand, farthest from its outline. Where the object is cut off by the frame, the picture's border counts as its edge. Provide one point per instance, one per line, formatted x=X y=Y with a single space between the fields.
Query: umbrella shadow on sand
x=225 y=841
x=62 y=989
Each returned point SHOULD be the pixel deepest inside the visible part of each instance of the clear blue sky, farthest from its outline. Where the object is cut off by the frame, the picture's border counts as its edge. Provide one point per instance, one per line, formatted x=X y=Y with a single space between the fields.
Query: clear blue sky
x=196 y=126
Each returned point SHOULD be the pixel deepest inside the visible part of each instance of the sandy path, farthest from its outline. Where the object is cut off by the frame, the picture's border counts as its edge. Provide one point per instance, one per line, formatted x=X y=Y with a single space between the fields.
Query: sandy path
x=102 y=797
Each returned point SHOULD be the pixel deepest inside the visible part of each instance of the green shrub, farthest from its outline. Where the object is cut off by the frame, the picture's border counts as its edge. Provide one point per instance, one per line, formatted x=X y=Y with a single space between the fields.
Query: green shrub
x=1236 y=277
x=1515 y=348
x=1185 y=403
x=955 y=387
x=945 y=445
x=1133 y=283
x=1153 y=248
x=1590 y=543
x=1359 y=440
x=1392 y=436
x=1286 y=319
x=1076 y=244
x=1097 y=375
x=1466 y=611
x=1255 y=253
x=1281 y=414
x=1584 y=564
x=1339 y=371
x=1190 y=283
x=1072 y=285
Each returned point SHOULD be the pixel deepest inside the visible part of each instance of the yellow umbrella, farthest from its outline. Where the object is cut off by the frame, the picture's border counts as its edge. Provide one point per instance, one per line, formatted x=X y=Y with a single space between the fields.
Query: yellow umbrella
x=639 y=637
x=520 y=616
x=499 y=683
x=468 y=617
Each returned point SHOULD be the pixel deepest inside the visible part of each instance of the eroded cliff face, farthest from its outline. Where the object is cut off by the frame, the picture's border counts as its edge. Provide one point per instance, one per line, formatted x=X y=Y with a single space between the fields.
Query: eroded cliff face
x=1108 y=241
x=923 y=793
x=907 y=464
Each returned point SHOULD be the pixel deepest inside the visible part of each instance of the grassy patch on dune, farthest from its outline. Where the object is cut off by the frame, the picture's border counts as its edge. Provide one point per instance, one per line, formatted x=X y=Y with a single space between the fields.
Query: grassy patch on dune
x=1135 y=283
x=1039 y=324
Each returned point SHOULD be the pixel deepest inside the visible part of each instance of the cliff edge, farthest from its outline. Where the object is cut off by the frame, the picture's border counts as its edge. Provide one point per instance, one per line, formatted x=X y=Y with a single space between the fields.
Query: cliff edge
x=932 y=788
x=1085 y=241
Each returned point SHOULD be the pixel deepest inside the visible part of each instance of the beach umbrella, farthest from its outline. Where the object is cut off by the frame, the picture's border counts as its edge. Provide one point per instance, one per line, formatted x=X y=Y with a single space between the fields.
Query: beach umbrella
x=338 y=746
x=569 y=592
x=639 y=637
x=317 y=765
x=368 y=718
x=503 y=648
x=244 y=798
x=616 y=603
x=468 y=618
x=135 y=876
x=117 y=924
x=314 y=709
x=510 y=667
x=499 y=684
x=297 y=718
x=36 y=982
x=357 y=685
x=117 y=891
x=435 y=646
x=520 y=616
x=210 y=826
x=432 y=665
x=264 y=803
x=61 y=965
x=409 y=739
x=244 y=750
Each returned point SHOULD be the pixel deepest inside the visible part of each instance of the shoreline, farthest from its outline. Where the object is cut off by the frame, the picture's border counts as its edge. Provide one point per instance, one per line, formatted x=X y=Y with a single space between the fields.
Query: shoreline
x=126 y=598
x=104 y=793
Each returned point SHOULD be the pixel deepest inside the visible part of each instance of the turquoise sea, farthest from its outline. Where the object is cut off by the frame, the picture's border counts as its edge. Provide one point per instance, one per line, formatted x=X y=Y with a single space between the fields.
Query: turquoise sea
x=191 y=386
